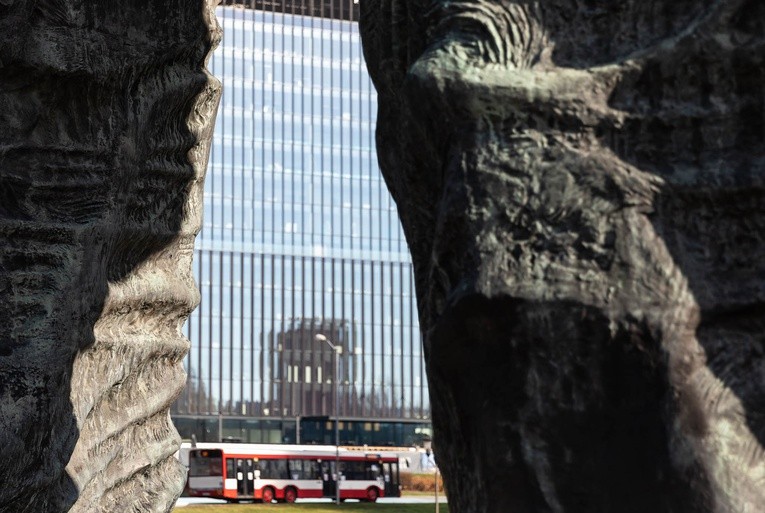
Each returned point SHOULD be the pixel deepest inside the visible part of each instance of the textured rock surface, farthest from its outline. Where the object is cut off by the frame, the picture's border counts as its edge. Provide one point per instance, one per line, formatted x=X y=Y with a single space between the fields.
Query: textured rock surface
x=581 y=185
x=106 y=114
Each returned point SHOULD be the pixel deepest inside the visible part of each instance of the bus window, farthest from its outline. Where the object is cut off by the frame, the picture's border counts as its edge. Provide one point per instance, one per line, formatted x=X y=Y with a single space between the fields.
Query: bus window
x=296 y=469
x=355 y=470
x=281 y=469
x=265 y=469
x=206 y=463
x=273 y=469
x=373 y=471
x=311 y=469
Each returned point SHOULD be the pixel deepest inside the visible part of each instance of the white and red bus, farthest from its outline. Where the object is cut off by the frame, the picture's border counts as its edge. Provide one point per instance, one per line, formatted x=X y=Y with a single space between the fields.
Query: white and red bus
x=287 y=472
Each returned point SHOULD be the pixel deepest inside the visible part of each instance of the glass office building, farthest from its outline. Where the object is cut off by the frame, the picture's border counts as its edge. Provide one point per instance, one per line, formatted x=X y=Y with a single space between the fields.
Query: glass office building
x=300 y=238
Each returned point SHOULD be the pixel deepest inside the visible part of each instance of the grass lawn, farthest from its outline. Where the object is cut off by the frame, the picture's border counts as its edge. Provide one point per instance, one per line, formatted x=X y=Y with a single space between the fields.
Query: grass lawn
x=348 y=507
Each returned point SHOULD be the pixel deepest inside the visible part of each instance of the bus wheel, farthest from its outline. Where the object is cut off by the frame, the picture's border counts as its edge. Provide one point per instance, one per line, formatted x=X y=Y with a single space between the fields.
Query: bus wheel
x=290 y=494
x=372 y=494
x=268 y=495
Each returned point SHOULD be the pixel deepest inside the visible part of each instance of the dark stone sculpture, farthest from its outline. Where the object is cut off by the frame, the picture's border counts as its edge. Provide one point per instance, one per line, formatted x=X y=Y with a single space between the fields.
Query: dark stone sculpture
x=106 y=113
x=581 y=183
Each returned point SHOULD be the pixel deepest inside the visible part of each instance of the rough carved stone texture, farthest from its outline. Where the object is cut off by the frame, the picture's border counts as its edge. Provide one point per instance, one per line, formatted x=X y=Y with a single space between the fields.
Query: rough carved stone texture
x=581 y=185
x=106 y=113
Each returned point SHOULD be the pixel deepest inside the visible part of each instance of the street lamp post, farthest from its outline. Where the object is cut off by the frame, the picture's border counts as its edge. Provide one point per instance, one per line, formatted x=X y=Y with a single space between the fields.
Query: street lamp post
x=337 y=349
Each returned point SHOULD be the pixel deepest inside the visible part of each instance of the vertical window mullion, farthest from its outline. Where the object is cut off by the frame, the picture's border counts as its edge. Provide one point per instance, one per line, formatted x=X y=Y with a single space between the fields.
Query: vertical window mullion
x=264 y=398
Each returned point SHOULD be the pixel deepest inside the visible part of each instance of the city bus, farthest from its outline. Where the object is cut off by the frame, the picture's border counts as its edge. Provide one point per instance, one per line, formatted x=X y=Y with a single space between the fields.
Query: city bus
x=284 y=473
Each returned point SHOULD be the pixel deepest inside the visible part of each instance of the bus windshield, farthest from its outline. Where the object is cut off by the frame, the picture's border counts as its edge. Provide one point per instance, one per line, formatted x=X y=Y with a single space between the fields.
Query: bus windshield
x=205 y=463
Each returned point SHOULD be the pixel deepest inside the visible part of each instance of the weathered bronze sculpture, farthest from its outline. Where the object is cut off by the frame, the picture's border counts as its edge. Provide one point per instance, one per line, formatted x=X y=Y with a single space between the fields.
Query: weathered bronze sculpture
x=581 y=185
x=106 y=114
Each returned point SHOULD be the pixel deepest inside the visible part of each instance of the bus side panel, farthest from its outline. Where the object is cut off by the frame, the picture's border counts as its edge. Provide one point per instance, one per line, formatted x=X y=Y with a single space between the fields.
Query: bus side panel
x=206 y=486
x=357 y=489
x=306 y=488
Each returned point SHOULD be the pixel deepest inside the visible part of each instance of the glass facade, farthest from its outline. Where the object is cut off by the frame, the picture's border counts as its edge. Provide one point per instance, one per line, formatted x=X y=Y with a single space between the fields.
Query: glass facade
x=300 y=238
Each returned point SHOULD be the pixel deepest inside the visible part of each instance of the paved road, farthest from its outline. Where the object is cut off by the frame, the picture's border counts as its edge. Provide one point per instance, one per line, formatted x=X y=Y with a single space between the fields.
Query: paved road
x=184 y=501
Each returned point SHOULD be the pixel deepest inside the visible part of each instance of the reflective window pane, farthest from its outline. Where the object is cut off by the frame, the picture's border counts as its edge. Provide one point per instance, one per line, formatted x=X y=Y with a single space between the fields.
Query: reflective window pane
x=299 y=237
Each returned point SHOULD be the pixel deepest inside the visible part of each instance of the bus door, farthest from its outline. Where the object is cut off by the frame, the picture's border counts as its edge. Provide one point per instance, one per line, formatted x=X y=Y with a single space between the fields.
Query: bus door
x=390 y=475
x=328 y=477
x=245 y=478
